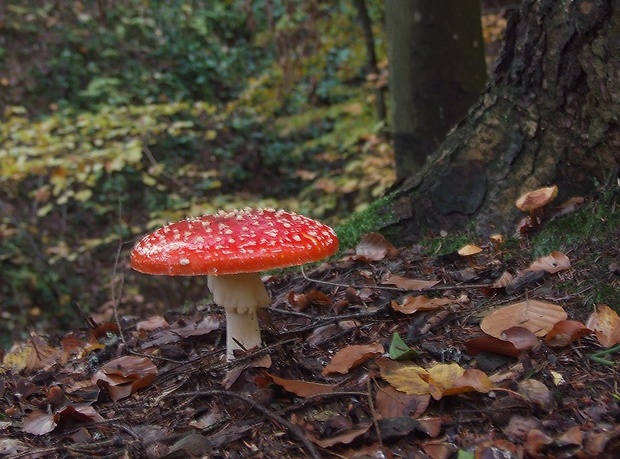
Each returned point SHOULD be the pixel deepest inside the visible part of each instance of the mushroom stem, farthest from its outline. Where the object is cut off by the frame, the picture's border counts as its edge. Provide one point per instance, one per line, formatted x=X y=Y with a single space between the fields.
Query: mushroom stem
x=240 y=295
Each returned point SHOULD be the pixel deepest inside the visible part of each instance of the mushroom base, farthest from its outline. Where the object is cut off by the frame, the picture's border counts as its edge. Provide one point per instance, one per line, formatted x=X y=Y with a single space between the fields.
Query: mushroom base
x=240 y=295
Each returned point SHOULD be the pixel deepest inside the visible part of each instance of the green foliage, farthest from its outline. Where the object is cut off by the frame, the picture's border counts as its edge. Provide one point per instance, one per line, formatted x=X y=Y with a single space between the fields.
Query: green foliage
x=120 y=119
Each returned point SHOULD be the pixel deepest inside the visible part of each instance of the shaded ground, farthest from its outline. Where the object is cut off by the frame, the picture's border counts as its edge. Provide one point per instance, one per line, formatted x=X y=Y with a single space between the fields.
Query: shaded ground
x=203 y=407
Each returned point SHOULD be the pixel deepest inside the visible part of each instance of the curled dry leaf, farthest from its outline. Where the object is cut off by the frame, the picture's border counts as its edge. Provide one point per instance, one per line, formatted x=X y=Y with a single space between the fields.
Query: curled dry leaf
x=606 y=325
x=537 y=393
x=126 y=375
x=409 y=284
x=152 y=323
x=565 y=332
x=352 y=356
x=374 y=247
x=40 y=422
x=414 y=303
x=552 y=263
x=300 y=301
x=512 y=342
x=537 y=316
x=302 y=388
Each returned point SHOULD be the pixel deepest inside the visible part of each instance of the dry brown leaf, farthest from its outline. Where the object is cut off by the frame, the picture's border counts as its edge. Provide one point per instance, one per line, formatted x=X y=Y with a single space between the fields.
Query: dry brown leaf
x=488 y=343
x=565 y=332
x=414 y=303
x=125 y=375
x=522 y=338
x=537 y=316
x=438 y=449
x=39 y=422
x=302 y=388
x=392 y=403
x=537 y=393
x=152 y=323
x=503 y=280
x=409 y=284
x=301 y=301
x=552 y=263
x=374 y=247
x=342 y=438
x=536 y=443
x=606 y=325
x=352 y=356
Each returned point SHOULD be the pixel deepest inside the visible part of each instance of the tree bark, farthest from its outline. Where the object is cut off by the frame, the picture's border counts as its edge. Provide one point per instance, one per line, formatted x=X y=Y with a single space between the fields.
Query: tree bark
x=550 y=115
x=437 y=71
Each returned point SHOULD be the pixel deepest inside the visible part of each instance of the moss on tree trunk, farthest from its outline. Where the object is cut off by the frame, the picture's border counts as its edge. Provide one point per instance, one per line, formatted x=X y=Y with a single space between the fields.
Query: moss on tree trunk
x=548 y=116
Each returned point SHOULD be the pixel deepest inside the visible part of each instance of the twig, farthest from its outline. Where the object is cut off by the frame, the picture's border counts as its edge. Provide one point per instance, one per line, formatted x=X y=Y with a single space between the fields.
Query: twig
x=373 y=412
x=295 y=430
x=438 y=288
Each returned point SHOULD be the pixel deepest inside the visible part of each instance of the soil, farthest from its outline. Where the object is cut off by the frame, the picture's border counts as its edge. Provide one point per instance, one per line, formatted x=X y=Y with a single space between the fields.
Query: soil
x=546 y=401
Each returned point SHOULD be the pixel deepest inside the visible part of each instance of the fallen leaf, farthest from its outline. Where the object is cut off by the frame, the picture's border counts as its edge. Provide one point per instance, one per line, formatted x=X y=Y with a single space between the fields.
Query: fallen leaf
x=301 y=301
x=438 y=449
x=606 y=325
x=392 y=403
x=415 y=303
x=351 y=357
x=522 y=338
x=39 y=422
x=409 y=284
x=302 y=388
x=125 y=375
x=344 y=437
x=552 y=263
x=399 y=350
x=439 y=380
x=374 y=247
x=537 y=393
x=152 y=323
x=536 y=443
x=488 y=343
x=537 y=316
x=565 y=332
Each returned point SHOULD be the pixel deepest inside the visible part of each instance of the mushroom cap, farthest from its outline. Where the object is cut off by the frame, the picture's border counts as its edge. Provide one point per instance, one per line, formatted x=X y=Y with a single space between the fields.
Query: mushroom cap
x=238 y=241
x=537 y=198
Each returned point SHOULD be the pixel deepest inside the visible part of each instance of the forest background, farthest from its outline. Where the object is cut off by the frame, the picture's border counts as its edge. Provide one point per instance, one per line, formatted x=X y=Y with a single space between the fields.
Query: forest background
x=119 y=116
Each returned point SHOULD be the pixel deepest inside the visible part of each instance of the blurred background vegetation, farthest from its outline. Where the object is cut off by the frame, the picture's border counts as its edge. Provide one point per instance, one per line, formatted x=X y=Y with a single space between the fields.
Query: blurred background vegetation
x=121 y=115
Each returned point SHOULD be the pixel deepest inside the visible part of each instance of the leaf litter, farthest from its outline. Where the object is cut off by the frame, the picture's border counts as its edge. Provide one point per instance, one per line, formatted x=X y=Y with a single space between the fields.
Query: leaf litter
x=373 y=355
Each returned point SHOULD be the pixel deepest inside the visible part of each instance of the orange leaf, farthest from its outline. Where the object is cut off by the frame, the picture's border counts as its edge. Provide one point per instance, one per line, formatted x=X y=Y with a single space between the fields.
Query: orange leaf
x=565 y=332
x=352 y=356
x=606 y=325
x=302 y=388
x=488 y=343
x=537 y=316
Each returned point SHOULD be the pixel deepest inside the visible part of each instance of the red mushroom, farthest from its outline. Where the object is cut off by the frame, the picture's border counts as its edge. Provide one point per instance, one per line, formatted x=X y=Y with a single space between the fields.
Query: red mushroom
x=231 y=248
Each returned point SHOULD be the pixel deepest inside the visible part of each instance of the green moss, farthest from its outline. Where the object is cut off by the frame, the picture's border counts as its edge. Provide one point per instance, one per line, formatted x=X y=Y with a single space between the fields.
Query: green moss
x=373 y=218
x=438 y=246
x=595 y=222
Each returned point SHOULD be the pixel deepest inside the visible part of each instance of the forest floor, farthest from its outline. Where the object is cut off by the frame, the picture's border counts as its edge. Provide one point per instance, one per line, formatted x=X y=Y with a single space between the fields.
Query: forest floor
x=380 y=353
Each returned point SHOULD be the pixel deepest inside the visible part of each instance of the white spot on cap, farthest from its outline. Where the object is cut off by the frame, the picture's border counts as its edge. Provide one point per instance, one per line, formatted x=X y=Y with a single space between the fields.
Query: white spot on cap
x=184 y=261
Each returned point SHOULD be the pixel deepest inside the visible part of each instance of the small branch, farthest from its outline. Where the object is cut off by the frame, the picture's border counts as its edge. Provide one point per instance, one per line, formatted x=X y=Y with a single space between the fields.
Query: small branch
x=295 y=430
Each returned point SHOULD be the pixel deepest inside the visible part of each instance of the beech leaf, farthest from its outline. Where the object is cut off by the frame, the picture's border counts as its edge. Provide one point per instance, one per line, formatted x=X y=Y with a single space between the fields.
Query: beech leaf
x=302 y=388
x=352 y=356
x=552 y=263
x=606 y=325
x=537 y=316
x=409 y=284
x=374 y=247
x=415 y=303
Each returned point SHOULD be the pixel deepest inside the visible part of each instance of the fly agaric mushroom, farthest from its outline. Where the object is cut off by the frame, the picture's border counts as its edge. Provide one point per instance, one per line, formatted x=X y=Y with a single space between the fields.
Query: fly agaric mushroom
x=231 y=248
x=533 y=202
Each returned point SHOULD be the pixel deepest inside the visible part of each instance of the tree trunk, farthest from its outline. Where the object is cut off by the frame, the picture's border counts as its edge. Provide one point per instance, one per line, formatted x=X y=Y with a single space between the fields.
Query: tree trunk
x=550 y=115
x=437 y=72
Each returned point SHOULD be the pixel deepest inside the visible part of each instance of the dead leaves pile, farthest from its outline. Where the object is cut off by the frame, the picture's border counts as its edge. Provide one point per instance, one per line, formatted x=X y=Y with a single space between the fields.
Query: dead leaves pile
x=374 y=396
